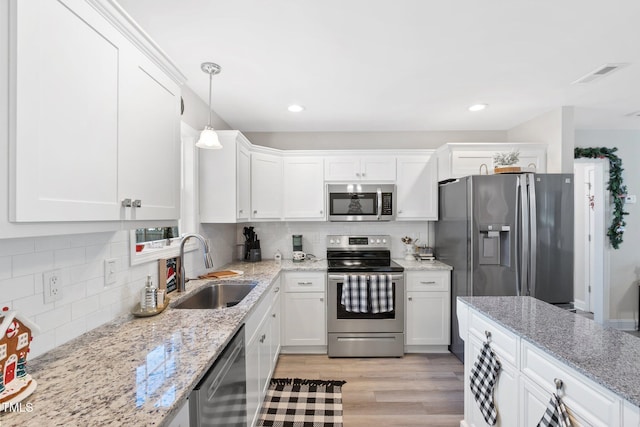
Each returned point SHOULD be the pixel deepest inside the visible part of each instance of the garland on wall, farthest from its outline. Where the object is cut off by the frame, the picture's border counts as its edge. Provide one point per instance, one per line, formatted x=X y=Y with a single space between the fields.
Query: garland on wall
x=615 y=186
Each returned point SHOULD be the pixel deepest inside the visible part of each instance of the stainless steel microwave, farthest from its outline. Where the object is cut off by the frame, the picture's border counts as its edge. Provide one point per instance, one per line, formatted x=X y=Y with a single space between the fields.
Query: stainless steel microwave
x=361 y=202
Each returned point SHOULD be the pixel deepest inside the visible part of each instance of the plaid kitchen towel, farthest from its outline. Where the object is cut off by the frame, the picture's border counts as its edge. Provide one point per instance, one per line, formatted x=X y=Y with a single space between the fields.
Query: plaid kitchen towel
x=556 y=414
x=354 y=293
x=484 y=376
x=381 y=293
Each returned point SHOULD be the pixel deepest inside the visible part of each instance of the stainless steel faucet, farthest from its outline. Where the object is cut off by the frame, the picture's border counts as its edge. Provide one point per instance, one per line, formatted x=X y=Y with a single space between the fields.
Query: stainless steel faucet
x=208 y=262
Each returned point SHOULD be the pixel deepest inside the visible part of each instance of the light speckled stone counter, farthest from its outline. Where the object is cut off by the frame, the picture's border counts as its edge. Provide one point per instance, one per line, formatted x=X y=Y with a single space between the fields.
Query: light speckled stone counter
x=414 y=265
x=139 y=371
x=608 y=356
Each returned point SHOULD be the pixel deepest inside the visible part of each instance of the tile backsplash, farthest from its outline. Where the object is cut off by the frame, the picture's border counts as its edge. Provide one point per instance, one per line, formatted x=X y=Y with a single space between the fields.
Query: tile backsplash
x=277 y=235
x=86 y=301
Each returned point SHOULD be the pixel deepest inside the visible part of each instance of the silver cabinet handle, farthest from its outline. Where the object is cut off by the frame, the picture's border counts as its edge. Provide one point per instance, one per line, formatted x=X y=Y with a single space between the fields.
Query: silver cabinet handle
x=126 y=203
x=321 y=299
x=276 y=290
x=305 y=283
x=273 y=315
x=255 y=212
x=410 y=298
x=137 y=203
x=262 y=338
x=358 y=174
x=321 y=212
x=431 y=282
x=364 y=174
x=400 y=211
x=241 y=210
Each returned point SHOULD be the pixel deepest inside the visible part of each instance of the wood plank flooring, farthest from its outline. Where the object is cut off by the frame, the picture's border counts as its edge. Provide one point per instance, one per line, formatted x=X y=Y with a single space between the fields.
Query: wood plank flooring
x=416 y=390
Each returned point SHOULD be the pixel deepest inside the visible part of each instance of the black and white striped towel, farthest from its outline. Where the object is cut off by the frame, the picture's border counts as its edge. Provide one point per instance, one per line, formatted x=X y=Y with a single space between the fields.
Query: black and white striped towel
x=484 y=376
x=556 y=414
x=354 y=293
x=381 y=293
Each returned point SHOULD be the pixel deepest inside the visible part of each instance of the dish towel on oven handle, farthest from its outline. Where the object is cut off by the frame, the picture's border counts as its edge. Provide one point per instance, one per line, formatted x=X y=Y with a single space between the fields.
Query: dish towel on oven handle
x=381 y=293
x=354 y=293
x=556 y=414
x=484 y=376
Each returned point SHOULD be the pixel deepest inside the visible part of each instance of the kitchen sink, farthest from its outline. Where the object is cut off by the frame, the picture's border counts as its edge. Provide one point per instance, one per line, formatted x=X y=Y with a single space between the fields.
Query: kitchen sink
x=218 y=295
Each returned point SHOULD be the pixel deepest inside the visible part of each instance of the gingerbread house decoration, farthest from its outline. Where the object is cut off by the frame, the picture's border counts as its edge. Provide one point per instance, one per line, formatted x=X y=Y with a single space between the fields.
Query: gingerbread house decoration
x=16 y=335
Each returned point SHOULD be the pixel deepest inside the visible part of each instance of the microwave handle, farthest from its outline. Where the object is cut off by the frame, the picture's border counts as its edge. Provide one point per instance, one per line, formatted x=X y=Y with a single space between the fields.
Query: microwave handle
x=379 y=203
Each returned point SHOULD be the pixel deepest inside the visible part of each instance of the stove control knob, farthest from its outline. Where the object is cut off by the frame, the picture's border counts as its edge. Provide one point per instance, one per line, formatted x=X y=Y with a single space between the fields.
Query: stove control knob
x=377 y=240
x=384 y=241
x=331 y=242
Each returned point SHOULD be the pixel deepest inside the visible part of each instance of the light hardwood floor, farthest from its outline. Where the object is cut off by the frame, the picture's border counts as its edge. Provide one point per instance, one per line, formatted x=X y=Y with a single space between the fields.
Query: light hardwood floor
x=416 y=390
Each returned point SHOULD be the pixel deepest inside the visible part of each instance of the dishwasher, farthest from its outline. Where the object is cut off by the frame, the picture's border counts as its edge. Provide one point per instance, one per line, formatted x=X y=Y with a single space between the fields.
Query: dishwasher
x=220 y=399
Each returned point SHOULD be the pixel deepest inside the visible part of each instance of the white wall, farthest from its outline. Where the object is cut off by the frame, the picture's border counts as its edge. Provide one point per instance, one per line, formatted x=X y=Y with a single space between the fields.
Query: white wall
x=369 y=140
x=555 y=129
x=624 y=262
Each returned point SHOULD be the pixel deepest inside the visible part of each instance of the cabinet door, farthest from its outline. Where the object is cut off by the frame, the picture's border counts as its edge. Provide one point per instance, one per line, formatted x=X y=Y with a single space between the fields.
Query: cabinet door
x=265 y=340
x=342 y=168
x=181 y=419
x=266 y=186
x=254 y=394
x=378 y=168
x=276 y=336
x=417 y=188
x=303 y=188
x=243 y=208
x=149 y=149
x=428 y=318
x=64 y=142
x=505 y=392
x=305 y=319
x=469 y=163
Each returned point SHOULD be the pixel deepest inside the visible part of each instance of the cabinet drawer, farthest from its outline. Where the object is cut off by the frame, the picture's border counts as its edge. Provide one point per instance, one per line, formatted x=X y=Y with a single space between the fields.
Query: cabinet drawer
x=304 y=282
x=428 y=280
x=504 y=343
x=587 y=402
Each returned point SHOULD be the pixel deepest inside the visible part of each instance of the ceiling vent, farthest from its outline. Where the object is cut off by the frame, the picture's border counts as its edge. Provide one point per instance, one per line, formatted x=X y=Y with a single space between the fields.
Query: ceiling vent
x=600 y=72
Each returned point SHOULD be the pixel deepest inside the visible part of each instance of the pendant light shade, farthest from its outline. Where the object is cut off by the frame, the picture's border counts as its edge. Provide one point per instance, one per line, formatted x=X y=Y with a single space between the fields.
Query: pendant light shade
x=208 y=137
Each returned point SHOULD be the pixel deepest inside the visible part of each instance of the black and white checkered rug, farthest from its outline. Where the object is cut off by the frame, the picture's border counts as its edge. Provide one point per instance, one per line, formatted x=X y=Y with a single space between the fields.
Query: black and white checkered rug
x=302 y=403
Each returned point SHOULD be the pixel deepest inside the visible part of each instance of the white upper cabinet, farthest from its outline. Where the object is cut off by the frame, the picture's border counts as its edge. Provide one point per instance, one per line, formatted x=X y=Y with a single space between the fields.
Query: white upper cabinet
x=360 y=168
x=65 y=140
x=417 y=188
x=303 y=188
x=149 y=148
x=456 y=160
x=266 y=186
x=95 y=120
x=224 y=180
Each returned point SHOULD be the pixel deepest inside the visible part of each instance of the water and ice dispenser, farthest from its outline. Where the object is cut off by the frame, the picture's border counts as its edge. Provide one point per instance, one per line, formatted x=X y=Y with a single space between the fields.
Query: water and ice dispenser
x=494 y=245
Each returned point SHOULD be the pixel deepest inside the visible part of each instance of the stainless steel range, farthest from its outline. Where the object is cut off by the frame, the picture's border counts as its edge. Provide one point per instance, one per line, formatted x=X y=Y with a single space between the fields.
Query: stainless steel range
x=365 y=316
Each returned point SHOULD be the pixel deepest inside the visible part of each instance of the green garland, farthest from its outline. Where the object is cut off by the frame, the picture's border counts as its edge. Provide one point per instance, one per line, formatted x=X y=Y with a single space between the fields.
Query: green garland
x=616 y=187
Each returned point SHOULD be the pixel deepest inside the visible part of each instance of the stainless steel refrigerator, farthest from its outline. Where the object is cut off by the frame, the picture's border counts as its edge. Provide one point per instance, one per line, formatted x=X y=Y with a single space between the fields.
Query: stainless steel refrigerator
x=506 y=234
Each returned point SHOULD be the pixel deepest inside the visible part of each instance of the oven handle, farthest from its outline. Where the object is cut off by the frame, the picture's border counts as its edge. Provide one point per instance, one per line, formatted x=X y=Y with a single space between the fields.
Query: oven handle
x=379 y=203
x=341 y=276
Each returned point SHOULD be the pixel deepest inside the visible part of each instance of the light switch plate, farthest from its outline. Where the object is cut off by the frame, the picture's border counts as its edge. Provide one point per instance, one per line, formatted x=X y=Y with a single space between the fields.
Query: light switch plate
x=110 y=271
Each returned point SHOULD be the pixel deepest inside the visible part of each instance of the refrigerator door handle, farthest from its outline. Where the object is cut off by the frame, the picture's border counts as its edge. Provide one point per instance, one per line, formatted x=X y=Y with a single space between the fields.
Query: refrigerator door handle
x=517 y=238
x=533 y=233
x=524 y=264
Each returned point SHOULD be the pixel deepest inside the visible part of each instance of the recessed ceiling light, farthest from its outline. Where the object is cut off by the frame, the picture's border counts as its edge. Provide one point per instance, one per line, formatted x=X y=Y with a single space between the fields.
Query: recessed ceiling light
x=295 y=108
x=478 y=107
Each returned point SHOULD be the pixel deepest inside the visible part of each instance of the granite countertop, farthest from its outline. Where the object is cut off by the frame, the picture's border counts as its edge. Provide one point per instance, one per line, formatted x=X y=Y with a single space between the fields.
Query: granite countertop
x=139 y=371
x=608 y=356
x=414 y=265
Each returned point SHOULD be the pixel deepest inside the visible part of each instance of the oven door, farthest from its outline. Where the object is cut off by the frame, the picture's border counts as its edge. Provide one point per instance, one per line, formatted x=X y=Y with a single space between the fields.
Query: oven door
x=341 y=318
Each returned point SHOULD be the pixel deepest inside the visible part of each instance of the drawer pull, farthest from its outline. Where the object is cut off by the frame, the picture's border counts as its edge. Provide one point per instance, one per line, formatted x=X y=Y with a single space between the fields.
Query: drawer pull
x=305 y=283
x=410 y=298
x=321 y=299
x=559 y=384
x=431 y=282
x=488 y=335
x=276 y=290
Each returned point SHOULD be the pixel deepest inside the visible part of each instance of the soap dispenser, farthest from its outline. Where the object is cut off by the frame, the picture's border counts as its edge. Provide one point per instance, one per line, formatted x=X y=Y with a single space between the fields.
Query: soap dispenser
x=149 y=296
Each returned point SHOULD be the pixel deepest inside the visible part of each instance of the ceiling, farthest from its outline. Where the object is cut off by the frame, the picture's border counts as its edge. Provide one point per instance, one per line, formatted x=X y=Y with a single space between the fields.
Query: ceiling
x=402 y=65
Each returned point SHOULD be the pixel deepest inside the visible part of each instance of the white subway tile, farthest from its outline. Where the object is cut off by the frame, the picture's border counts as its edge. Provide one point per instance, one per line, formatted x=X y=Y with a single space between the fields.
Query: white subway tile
x=69 y=331
x=98 y=252
x=52 y=319
x=17 y=287
x=82 y=273
x=42 y=342
x=118 y=249
x=32 y=305
x=72 y=293
x=85 y=307
x=51 y=243
x=31 y=263
x=69 y=257
x=98 y=318
x=5 y=267
x=95 y=286
x=16 y=246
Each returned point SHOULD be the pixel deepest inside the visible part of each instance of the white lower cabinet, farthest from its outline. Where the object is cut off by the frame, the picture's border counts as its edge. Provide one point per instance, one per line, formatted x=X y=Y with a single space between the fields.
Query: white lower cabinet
x=428 y=318
x=527 y=381
x=304 y=313
x=262 y=334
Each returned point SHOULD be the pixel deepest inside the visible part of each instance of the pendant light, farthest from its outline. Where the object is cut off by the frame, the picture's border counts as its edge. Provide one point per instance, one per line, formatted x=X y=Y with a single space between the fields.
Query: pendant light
x=209 y=137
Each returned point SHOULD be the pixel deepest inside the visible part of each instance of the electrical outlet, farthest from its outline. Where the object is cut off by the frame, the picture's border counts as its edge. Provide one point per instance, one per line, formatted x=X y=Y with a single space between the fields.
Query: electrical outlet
x=631 y=199
x=52 y=281
x=110 y=271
